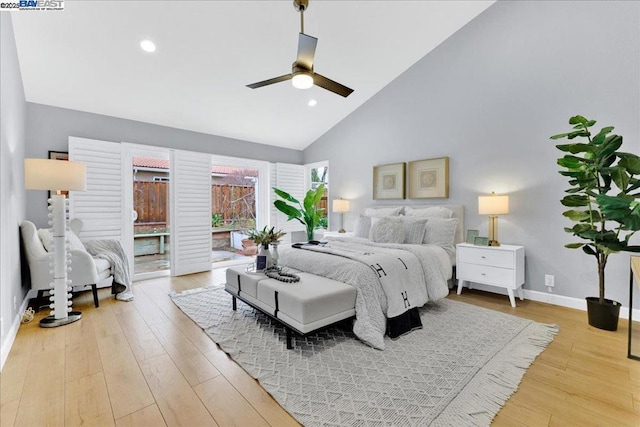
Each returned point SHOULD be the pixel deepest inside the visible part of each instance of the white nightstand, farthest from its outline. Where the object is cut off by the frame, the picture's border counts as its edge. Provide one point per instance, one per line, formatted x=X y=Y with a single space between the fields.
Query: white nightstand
x=501 y=266
x=336 y=234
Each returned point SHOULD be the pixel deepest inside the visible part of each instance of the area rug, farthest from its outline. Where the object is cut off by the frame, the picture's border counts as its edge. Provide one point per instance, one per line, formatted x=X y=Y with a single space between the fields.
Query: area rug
x=458 y=370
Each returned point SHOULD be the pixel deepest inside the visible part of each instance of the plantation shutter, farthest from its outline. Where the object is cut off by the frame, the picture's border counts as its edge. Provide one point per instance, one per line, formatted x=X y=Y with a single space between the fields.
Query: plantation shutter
x=100 y=207
x=292 y=179
x=190 y=194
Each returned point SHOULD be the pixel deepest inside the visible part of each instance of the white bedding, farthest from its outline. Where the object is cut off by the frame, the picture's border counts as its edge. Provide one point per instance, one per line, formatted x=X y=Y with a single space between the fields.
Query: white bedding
x=429 y=281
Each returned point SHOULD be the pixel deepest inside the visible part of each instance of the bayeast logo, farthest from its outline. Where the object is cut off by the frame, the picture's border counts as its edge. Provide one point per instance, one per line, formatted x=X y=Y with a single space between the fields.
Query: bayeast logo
x=33 y=5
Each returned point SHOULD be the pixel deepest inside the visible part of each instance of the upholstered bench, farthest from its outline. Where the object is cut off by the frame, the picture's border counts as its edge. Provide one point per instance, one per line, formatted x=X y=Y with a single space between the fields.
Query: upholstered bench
x=302 y=307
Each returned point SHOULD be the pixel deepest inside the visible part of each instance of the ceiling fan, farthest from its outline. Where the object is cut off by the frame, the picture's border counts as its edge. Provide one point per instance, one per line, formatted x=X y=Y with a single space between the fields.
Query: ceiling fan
x=302 y=75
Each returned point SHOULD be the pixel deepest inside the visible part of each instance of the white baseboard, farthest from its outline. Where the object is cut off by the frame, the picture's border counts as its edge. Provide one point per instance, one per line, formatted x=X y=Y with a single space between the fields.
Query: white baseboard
x=13 y=331
x=554 y=299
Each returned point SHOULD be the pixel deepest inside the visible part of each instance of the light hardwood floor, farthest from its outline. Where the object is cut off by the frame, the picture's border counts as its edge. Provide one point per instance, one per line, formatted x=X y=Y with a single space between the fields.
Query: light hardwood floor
x=145 y=363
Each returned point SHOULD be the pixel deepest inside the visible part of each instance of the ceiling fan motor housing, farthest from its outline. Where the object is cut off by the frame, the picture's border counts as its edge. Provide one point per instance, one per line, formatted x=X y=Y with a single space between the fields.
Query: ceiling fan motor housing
x=301 y=5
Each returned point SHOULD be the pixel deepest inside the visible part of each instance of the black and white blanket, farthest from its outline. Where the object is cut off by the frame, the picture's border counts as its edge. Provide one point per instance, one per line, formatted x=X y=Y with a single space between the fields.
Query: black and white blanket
x=393 y=273
x=428 y=269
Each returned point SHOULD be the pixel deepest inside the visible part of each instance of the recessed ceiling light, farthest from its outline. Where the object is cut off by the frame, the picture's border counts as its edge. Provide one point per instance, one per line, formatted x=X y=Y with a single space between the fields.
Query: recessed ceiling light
x=312 y=103
x=147 y=45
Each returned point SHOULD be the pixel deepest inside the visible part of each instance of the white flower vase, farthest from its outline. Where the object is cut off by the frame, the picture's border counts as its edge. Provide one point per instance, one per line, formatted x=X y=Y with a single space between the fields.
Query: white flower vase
x=274 y=254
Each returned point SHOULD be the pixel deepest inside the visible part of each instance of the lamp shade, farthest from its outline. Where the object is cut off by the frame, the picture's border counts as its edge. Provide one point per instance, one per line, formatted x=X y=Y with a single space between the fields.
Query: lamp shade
x=54 y=175
x=340 y=206
x=493 y=204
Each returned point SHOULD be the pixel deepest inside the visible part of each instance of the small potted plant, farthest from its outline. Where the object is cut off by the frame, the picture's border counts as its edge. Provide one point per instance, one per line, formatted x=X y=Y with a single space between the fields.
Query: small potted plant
x=307 y=213
x=263 y=238
x=603 y=201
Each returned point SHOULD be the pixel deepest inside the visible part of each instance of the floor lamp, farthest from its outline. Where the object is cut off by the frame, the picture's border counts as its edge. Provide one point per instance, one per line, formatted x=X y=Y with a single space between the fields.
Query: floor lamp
x=58 y=176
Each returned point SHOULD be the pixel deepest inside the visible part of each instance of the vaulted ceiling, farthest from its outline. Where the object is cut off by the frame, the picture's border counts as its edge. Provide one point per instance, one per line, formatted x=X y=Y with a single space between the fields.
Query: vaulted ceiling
x=88 y=58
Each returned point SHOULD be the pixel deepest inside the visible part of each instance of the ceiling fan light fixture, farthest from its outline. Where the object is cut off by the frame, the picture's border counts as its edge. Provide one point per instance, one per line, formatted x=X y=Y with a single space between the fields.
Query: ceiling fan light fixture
x=302 y=80
x=148 y=45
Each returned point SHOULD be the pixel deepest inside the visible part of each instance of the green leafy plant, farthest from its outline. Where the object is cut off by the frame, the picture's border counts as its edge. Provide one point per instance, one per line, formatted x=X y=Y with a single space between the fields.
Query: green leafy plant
x=323 y=223
x=265 y=236
x=307 y=212
x=217 y=220
x=603 y=192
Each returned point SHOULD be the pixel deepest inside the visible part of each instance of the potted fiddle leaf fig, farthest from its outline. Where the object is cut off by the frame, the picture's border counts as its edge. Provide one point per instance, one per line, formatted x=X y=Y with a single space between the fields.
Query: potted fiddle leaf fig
x=307 y=213
x=603 y=201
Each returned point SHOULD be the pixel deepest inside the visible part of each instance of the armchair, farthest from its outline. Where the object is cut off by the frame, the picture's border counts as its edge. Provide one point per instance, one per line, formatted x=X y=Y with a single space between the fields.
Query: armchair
x=85 y=270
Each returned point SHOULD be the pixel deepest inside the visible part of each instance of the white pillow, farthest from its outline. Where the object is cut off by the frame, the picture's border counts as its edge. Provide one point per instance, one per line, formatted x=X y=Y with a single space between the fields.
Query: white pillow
x=431 y=212
x=378 y=212
x=441 y=232
x=363 y=225
x=74 y=242
x=414 y=230
x=46 y=236
x=387 y=230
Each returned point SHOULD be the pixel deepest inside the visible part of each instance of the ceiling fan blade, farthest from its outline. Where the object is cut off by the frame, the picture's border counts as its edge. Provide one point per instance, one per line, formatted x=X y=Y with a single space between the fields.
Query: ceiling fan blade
x=330 y=85
x=306 y=50
x=271 y=81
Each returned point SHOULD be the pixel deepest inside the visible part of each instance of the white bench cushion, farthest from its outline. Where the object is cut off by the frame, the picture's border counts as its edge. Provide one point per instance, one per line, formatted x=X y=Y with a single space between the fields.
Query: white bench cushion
x=248 y=281
x=309 y=304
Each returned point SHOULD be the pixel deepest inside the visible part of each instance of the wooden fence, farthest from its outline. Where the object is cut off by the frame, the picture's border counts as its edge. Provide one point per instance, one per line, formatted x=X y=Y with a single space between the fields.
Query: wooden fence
x=151 y=202
x=233 y=202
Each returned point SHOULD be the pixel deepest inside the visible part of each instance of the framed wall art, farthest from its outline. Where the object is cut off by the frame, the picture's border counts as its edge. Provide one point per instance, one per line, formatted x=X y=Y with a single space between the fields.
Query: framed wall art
x=429 y=178
x=388 y=181
x=58 y=155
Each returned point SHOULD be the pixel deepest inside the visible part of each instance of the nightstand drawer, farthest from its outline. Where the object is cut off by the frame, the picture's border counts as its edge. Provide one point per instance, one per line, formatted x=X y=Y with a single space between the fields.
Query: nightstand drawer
x=484 y=274
x=491 y=257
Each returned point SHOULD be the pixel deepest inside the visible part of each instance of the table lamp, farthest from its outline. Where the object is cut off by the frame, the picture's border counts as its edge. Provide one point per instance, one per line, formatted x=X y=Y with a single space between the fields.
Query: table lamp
x=340 y=206
x=493 y=205
x=58 y=176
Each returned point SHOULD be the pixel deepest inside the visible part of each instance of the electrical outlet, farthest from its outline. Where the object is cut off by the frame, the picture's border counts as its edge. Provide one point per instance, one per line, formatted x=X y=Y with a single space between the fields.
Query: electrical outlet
x=549 y=281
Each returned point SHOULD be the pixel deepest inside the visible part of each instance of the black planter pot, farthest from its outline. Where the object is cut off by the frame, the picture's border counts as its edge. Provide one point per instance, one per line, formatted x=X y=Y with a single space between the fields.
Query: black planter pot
x=603 y=316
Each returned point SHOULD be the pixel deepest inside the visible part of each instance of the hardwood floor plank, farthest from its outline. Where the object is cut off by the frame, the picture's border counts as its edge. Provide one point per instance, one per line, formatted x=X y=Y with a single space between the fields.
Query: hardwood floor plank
x=148 y=310
x=521 y=414
x=190 y=361
x=14 y=373
x=227 y=405
x=251 y=390
x=177 y=401
x=43 y=398
x=143 y=342
x=592 y=387
x=128 y=389
x=149 y=416
x=87 y=402
x=81 y=352
x=8 y=412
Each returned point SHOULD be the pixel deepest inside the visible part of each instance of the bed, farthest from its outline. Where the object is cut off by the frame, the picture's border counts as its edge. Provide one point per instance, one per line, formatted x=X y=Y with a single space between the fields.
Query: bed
x=392 y=277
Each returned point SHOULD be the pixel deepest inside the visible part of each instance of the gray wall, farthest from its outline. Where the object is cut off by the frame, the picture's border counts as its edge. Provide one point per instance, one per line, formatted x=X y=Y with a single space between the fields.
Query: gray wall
x=49 y=128
x=12 y=193
x=489 y=98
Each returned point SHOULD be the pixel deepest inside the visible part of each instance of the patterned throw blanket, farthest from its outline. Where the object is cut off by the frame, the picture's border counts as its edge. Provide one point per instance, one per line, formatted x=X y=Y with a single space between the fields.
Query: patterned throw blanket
x=112 y=251
x=393 y=274
x=429 y=268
